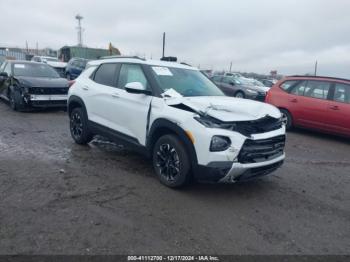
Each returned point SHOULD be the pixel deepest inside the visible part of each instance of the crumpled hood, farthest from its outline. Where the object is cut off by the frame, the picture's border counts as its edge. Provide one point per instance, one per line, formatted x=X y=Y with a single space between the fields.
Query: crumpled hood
x=42 y=81
x=57 y=64
x=227 y=109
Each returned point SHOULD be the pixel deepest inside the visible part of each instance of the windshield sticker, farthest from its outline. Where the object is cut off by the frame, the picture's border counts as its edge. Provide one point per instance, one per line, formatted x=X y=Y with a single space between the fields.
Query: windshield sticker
x=162 y=71
x=19 y=66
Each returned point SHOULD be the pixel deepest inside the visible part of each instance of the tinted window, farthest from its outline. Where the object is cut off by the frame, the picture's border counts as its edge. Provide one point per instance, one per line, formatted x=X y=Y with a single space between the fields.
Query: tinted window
x=342 y=93
x=317 y=89
x=299 y=88
x=227 y=80
x=105 y=74
x=287 y=84
x=131 y=73
x=216 y=78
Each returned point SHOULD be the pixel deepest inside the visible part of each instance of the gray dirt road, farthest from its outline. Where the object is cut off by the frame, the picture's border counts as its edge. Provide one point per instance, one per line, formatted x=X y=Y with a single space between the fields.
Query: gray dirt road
x=57 y=197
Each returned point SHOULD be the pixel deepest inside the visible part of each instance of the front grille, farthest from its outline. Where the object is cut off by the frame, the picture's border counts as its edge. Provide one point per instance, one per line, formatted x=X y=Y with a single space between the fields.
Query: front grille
x=255 y=151
x=48 y=90
x=262 y=125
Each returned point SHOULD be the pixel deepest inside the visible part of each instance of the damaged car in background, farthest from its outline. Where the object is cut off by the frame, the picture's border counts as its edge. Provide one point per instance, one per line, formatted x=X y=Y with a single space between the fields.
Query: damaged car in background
x=29 y=84
x=179 y=118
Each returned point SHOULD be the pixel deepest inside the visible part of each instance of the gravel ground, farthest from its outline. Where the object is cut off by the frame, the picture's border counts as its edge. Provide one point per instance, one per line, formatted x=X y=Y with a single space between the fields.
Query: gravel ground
x=57 y=197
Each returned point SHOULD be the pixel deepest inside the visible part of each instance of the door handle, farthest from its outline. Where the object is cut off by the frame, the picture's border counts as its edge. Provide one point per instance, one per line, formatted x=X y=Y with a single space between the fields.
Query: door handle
x=85 y=88
x=293 y=100
x=115 y=95
x=334 y=107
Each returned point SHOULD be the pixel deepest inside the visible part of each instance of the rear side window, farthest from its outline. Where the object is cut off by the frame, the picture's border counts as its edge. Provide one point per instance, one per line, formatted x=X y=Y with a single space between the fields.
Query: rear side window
x=342 y=93
x=105 y=74
x=317 y=89
x=288 y=84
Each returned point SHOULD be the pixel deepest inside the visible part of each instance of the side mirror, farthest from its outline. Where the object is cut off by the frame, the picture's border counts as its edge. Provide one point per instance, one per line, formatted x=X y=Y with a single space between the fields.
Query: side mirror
x=232 y=83
x=136 y=88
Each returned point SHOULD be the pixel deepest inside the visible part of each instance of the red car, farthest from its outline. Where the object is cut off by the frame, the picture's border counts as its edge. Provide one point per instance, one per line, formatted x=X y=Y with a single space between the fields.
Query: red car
x=321 y=103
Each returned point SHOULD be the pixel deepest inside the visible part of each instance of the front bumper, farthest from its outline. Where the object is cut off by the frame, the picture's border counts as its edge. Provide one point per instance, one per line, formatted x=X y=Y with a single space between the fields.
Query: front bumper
x=243 y=172
x=231 y=172
x=46 y=100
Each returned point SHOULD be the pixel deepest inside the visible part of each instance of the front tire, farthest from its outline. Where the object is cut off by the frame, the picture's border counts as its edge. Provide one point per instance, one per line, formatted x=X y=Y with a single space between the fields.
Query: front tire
x=287 y=119
x=171 y=161
x=240 y=94
x=79 y=126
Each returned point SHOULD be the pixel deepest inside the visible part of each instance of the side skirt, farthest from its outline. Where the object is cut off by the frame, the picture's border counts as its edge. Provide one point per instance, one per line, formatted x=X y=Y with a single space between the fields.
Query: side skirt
x=128 y=141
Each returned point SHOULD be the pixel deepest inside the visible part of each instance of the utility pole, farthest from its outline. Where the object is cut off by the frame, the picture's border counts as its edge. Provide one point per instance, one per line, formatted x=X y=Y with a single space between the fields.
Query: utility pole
x=316 y=68
x=80 y=30
x=163 y=44
x=37 y=48
x=230 y=66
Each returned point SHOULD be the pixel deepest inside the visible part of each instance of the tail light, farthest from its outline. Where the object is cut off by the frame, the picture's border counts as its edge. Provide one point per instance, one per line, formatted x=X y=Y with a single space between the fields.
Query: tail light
x=267 y=96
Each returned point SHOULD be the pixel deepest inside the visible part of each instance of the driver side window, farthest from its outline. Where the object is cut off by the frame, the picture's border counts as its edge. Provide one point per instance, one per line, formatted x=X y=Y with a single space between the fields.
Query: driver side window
x=131 y=73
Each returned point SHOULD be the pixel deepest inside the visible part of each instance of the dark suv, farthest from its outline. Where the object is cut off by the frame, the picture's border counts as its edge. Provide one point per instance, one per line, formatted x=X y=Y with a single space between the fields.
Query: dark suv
x=74 y=67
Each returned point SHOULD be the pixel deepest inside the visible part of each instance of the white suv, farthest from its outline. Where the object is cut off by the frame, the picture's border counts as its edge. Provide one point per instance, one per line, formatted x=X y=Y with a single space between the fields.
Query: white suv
x=178 y=117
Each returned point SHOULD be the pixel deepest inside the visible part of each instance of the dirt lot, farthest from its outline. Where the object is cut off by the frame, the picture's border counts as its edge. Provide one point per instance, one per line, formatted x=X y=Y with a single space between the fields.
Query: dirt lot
x=57 y=197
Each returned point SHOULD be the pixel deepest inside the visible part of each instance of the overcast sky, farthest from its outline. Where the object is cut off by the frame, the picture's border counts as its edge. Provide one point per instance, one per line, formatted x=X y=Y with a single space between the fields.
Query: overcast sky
x=257 y=36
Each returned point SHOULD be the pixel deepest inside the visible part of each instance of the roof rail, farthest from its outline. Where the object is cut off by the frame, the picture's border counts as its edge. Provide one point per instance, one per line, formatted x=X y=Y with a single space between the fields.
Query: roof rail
x=121 y=56
x=328 y=77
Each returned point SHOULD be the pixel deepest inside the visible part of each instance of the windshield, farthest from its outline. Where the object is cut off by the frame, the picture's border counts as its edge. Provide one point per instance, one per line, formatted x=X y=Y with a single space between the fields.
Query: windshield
x=186 y=82
x=34 y=70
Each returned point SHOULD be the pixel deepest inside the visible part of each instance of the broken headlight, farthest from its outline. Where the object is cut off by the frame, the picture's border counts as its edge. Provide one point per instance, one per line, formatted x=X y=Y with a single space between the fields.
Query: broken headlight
x=213 y=123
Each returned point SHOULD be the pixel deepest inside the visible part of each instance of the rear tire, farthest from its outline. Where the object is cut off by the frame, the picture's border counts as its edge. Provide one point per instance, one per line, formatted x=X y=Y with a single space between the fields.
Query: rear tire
x=287 y=119
x=171 y=161
x=239 y=94
x=79 y=128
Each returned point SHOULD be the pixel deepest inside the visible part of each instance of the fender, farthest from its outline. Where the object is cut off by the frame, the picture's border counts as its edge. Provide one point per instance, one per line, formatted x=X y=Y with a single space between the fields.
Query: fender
x=75 y=100
x=162 y=123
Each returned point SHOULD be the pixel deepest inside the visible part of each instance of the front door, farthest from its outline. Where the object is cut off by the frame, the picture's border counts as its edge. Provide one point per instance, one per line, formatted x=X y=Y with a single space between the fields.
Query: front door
x=133 y=108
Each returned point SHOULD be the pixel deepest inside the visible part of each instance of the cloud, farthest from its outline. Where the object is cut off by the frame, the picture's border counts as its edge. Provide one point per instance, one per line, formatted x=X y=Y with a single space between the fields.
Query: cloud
x=254 y=35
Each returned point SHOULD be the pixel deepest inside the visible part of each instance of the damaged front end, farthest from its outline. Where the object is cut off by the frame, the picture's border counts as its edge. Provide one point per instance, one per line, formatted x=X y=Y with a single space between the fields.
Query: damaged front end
x=246 y=128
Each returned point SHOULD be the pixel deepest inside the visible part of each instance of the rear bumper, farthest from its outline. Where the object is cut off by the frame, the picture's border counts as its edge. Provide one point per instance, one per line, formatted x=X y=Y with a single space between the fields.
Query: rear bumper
x=231 y=172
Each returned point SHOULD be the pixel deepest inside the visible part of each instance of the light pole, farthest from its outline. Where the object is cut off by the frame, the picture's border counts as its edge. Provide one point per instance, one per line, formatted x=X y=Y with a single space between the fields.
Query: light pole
x=80 y=30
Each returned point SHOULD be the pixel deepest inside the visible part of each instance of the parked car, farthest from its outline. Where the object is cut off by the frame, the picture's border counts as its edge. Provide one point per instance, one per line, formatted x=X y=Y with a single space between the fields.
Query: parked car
x=321 y=103
x=233 y=74
x=74 y=67
x=29 y=84
x=177 y=116
x=267 y=82
x=239 y=87
x=58 y=65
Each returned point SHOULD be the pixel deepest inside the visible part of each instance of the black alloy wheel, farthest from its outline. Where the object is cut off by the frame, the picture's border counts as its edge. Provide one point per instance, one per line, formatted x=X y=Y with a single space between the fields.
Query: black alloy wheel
x=171 y=161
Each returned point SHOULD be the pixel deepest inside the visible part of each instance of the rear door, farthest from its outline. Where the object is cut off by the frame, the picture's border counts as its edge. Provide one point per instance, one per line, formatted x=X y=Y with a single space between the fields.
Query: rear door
x=312 y=102
x=339 y=109
x=100 y=96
